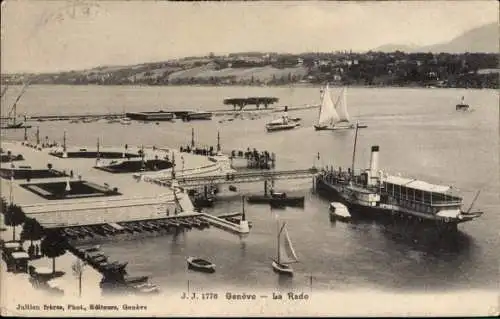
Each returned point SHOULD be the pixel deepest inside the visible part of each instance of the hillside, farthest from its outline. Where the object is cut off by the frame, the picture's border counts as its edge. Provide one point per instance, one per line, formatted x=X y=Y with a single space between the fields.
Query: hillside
x=373 y=68
x=483 y=39
x=265 y=74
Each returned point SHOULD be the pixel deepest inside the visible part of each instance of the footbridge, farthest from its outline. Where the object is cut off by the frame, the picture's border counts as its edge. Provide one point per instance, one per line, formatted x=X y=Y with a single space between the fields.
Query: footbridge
x=236 y=178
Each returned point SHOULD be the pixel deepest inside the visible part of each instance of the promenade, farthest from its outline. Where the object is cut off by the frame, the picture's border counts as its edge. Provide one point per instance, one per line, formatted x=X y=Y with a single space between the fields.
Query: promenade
x=136 y=199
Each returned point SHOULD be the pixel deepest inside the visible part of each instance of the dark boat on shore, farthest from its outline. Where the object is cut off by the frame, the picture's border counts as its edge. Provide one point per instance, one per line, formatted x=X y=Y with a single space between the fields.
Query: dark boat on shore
x=136 y=280
x=199 y=264
x=114 y=267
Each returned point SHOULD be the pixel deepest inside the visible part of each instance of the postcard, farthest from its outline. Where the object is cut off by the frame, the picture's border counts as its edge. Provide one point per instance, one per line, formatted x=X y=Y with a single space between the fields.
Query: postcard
x=281 y=158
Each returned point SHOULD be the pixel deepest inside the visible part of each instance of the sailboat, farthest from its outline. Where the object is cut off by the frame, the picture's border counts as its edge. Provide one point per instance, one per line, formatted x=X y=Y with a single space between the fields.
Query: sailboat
x=13 y=112
x=334 y=117
x=286 y=254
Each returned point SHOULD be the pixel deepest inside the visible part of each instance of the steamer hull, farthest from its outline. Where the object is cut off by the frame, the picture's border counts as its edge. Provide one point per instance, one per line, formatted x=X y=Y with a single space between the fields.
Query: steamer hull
x=373 y=195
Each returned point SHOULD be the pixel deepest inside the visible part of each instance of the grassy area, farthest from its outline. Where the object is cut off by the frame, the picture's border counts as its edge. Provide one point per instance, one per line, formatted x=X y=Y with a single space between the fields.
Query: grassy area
x=256 y=74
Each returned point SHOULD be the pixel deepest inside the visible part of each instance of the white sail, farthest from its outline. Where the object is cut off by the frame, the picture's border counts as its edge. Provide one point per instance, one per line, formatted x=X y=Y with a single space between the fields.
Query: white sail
x=341 y=107
x=287 y=253
x=327 y=113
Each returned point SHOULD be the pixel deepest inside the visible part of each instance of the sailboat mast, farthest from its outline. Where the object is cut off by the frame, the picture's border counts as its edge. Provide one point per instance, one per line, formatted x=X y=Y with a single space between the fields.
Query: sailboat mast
x=4 y=91
x=473 y=201
x=321 y=95
x=14 y=106
x=278 y=242
x=354 y=149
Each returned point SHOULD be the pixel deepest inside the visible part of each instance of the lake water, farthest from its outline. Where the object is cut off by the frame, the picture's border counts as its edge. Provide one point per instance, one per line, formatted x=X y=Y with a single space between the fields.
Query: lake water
x=419 y=133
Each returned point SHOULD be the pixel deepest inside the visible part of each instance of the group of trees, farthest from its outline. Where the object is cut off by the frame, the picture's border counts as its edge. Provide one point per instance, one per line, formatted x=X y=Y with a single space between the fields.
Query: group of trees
x=401 y=69
x=368 y=68
x=53 y=244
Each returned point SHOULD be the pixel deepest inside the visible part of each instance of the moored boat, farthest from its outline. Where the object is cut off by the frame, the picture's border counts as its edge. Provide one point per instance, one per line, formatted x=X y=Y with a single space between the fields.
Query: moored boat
x=277 y=200
x=282 y=199
x=151 y=116
x=373 y=194
x=283 y=123
x=125 y=121
x=339 y=211
x=462 y=106
x=190 y=116
x=200 y=264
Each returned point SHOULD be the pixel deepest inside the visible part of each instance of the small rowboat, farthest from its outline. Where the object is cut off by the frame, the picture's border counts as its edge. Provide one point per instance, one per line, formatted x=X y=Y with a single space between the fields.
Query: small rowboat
x=200 y=265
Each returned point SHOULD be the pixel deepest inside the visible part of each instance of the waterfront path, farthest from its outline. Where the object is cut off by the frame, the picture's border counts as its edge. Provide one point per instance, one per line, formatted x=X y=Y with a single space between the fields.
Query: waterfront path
x=136 y=199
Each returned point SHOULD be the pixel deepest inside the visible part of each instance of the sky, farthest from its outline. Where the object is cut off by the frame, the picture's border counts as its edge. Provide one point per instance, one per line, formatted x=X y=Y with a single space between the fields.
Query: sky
x=46 y=36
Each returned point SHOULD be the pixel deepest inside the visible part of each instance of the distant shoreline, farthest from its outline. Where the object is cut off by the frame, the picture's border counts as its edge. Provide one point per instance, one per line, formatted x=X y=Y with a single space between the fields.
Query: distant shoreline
x=283 y=86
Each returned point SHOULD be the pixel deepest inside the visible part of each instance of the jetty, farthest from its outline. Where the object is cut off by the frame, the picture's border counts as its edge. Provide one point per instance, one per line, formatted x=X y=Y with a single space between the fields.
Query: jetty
x=155 y=116
x=98 y=233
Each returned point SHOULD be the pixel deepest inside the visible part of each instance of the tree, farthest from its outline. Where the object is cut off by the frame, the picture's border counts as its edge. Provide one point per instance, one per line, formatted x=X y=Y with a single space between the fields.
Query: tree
x=53 y=246
x=32 y=230
x=3 y=211
x=14 y=216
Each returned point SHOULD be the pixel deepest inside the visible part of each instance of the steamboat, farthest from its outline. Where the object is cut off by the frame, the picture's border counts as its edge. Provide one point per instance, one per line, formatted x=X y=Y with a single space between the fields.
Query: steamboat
x=374 y=194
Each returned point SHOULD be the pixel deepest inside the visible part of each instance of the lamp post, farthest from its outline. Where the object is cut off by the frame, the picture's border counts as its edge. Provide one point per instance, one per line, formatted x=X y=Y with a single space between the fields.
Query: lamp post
x=98 y=154
x=78 y=267
x=65 y=153
x=182 y=159
x=218 y=142
x=192 y=137
x=37 y=136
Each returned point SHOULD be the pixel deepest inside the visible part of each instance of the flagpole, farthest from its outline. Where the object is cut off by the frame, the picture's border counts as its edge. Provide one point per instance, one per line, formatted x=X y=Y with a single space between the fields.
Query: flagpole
x=11 y=197
x=354 y=152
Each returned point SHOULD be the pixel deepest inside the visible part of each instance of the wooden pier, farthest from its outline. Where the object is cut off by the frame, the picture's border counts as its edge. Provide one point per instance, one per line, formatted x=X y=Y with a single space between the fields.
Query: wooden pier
x=97 y=233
